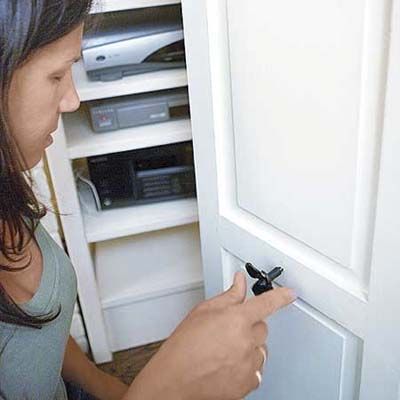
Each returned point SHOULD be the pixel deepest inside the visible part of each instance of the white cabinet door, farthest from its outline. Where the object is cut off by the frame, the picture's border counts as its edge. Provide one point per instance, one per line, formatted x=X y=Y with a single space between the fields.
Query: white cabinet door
x=295 y=139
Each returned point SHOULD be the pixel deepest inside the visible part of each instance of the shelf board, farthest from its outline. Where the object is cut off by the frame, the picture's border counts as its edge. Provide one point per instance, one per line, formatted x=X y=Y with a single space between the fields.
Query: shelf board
x=141 y=293
x=102 y=6
x=125 y=221
x=159 y=80
x=83 y=142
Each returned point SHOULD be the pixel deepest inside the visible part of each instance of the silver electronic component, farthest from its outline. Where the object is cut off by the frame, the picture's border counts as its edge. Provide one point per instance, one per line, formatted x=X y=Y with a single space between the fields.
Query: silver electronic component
x=134 y=42
x=140 y=109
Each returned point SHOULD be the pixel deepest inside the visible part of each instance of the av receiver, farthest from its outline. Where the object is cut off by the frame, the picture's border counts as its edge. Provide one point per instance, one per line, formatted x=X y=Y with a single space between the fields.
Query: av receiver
x=143 y=176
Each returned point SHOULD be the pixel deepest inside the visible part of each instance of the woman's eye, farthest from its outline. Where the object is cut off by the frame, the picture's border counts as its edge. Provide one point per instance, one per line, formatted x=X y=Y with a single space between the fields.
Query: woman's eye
x=58 y=78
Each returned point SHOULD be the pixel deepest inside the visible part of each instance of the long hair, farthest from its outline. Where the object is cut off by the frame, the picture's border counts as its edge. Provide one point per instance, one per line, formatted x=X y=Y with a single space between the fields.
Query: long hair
x=25 y=27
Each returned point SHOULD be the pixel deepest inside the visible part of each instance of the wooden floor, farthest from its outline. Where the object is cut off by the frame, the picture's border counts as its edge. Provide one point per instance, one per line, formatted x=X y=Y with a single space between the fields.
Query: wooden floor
x=127 y=364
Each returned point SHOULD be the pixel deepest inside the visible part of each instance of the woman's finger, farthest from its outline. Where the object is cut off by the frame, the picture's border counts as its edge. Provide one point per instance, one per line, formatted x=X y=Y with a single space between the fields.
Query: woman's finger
x=258 y=308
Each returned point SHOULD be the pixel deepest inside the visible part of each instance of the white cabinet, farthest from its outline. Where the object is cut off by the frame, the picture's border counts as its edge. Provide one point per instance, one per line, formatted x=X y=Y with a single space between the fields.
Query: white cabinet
x=139 y=268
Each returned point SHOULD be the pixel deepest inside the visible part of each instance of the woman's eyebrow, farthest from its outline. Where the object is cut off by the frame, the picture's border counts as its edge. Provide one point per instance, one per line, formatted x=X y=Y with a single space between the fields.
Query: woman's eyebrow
x=75 y=59
x=72 y=60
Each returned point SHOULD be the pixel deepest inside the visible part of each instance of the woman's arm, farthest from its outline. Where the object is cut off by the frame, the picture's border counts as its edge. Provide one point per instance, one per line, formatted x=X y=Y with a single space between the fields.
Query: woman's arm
x=78 y=369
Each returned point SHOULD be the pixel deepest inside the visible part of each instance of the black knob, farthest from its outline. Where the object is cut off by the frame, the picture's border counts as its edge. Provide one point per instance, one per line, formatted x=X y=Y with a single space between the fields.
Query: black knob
x=265 y=280
x=275 y=273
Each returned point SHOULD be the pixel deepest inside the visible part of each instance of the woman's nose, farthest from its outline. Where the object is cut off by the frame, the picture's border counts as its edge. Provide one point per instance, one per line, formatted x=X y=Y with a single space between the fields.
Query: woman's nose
x=70 y=102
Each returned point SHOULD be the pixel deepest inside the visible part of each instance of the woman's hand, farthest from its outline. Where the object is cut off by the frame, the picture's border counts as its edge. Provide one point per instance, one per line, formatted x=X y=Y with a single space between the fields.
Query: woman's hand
x=212 y=354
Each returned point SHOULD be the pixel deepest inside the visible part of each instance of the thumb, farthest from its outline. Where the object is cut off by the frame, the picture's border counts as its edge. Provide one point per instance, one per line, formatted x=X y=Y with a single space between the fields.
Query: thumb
x=238 y=288
x=235 y=294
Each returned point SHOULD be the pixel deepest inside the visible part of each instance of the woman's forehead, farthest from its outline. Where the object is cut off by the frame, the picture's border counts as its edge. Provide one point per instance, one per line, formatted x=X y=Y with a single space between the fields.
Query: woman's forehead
x=65 y=50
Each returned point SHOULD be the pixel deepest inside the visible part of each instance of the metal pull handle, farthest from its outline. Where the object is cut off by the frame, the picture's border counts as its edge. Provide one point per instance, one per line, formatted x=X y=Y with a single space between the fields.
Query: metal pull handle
x=265 y=279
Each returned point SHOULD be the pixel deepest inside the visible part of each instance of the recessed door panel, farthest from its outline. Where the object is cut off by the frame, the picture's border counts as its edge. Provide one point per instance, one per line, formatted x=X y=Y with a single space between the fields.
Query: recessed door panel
x=296 y=129
x=310 y=356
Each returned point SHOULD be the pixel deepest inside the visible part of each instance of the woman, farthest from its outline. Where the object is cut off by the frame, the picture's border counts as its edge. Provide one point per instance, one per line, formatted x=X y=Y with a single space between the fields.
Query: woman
x=217 y=352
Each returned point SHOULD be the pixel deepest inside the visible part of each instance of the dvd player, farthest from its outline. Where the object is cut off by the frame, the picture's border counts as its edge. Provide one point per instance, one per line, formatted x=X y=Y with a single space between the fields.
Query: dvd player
x=140 y=109
x=134 y=42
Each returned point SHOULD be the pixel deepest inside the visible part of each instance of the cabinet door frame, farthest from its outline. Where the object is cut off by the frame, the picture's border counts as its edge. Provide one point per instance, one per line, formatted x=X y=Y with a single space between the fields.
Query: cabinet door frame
x=381 y=358
x=381 y=319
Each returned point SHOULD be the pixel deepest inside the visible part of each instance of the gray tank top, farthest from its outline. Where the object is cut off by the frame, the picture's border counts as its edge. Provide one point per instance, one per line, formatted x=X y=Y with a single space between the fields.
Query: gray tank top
x=31 y=359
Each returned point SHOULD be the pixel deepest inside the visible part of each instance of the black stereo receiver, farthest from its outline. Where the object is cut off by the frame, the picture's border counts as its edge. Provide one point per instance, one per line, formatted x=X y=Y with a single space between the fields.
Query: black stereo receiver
x=144 y=176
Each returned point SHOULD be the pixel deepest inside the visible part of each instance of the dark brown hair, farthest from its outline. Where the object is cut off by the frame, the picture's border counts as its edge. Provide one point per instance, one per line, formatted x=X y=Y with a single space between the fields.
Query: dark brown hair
x=25 y=27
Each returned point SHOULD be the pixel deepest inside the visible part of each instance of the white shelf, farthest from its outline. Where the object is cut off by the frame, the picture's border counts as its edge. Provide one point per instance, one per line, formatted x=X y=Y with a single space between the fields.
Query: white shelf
x=125 y=221
x=83 y=142
x=159 y=80
x=129 y=269
x=141 y=292
x=102 y=6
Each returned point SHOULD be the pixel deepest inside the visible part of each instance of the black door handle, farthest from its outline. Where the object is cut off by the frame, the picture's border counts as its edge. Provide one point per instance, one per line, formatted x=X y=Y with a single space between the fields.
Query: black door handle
x=265 y=279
